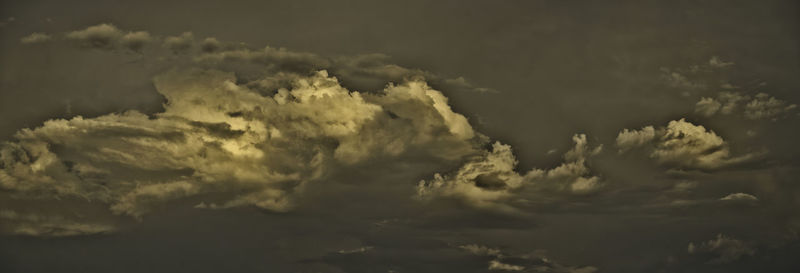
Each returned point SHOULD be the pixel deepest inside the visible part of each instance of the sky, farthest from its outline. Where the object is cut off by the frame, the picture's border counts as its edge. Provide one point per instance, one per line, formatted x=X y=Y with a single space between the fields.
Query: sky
x=399 y=136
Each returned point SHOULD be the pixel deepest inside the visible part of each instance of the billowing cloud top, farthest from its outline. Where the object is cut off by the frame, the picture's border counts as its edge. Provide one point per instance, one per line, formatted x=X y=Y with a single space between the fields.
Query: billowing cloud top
x=682 y=144
x=218 y=137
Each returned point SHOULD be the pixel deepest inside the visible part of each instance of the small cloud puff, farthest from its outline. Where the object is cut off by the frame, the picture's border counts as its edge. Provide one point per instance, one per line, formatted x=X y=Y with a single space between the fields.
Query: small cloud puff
x=481 y=250
x=210 y=45
x=179 y=44
x=362 y=249
x=716 y=62
x=36 y=38
x=497 y=265
x=135 y=41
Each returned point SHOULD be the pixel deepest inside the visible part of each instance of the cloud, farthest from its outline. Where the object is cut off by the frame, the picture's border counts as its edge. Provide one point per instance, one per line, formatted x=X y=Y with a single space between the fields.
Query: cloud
x=462 y=83
x=696 y=77
x=210 y=45
x=718 y=63
x=739 y=197
x=36 y=38
x=682 y=144
x=229 y=143
x=370 y=71
x=725 y=103
x=102 y=36
x=30 y=224
x=497 y=265
x=481 y=250
x=362 y=249
x=761 y=106
x=245 y=127
x=628 y=139
x=109 y=37
x=363 y=72
x=179 y=44
x=489 y=180
x=725 y=249
x=680 y=80
x=273 y=59
x=534 y=261
x=135 y=41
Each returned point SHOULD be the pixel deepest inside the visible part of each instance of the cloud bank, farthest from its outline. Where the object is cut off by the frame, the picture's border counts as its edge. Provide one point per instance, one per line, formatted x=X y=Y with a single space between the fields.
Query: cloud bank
x=222 y=139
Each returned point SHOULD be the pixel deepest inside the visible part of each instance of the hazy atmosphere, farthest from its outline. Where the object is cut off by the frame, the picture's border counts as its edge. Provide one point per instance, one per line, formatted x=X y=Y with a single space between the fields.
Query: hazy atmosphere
x=399 y=136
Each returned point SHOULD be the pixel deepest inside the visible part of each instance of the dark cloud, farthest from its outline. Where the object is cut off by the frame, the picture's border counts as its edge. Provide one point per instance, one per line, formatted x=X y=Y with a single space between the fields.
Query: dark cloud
x=727 y=249
x=210 y=45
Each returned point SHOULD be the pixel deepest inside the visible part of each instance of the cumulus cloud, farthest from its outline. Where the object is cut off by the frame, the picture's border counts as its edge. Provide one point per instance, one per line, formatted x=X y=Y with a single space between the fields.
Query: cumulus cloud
x=682 y=144
x=725 y=249
x=135 y=41
x=230 y=139
x=210 y=44
x=36 y=38
x=217 y=138
x=725 y=103
x=761 y=106
x=100 y=36
x=488 y=180
x=109 y=37
x=628 y=139
x=180 y=43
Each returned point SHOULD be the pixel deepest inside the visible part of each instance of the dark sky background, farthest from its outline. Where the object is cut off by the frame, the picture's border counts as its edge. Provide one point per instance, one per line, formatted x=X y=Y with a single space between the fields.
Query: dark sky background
x=705 y=179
